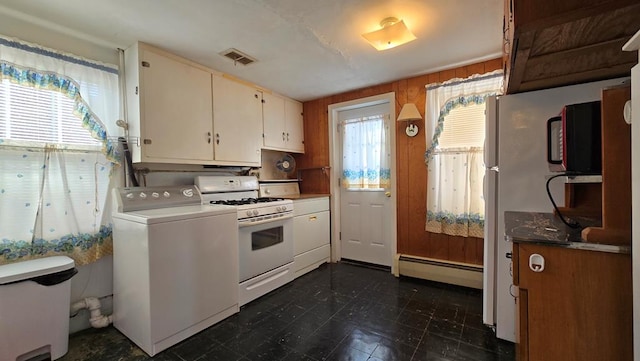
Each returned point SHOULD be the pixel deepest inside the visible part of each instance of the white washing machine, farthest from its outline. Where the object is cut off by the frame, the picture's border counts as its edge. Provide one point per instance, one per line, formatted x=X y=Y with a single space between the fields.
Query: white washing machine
x=175 y=264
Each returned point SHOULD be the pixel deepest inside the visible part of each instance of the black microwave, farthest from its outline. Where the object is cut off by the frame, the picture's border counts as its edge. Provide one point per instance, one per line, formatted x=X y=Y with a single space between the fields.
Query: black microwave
x=574 y=139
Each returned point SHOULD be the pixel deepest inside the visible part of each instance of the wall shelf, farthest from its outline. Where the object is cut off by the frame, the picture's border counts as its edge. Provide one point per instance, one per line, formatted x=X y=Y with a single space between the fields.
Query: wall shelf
x=596 y=178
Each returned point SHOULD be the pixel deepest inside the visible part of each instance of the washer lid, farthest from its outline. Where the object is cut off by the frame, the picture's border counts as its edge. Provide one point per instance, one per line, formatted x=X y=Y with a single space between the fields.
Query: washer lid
x=24 y=270
x=160 y=215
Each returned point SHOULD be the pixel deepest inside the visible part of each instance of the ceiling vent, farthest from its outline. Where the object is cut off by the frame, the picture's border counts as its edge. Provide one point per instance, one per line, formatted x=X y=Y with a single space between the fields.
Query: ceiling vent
x=238 y=57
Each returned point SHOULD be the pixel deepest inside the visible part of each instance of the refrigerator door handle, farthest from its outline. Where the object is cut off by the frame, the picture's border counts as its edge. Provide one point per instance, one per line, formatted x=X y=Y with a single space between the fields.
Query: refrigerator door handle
x=495 y=168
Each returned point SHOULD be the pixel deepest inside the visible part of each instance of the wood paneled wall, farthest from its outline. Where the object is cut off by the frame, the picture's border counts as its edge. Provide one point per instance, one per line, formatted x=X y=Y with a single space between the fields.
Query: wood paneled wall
x=411 y=170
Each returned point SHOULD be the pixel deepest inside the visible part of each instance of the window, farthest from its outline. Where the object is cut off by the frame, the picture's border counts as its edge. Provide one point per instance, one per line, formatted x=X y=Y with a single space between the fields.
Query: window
x=365 y=152
x=455 y=123
x=55 y=154
x=463 y=128
x=40 y=115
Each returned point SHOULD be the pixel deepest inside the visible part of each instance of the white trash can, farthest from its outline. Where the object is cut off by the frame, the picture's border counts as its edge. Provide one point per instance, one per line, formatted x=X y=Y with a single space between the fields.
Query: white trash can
x=34 y=308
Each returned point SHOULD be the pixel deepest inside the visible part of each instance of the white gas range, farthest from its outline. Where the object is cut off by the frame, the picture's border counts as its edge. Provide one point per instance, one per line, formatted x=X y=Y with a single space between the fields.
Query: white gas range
x=265 y=227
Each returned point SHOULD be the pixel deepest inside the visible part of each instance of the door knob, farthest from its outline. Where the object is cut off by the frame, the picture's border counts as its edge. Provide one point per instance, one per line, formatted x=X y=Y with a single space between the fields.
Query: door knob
x=387 y=194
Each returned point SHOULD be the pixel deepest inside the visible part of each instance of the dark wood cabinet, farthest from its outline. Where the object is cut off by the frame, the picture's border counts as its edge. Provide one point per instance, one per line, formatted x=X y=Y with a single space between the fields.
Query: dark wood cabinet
x=578 y=308
x=554 y=43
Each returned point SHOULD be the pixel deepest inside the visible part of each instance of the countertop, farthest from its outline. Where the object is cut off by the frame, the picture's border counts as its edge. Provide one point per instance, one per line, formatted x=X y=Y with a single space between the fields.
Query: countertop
x=548 y=229
x=311 y=195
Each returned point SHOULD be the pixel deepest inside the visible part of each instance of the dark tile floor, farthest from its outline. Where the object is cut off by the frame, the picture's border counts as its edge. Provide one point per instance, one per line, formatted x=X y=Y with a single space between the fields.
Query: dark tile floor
x=337 y=312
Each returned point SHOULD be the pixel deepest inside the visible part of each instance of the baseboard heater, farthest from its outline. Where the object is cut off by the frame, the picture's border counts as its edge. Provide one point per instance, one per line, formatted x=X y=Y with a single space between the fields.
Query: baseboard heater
x=461 y=274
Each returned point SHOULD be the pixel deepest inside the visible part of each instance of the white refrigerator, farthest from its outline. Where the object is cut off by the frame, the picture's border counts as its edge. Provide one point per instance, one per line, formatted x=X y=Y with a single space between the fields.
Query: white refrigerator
x=515 y=177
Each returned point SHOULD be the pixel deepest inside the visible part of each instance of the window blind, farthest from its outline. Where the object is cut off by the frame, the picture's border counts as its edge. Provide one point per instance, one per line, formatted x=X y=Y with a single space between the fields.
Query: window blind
x=463 y=127
x=40 y=115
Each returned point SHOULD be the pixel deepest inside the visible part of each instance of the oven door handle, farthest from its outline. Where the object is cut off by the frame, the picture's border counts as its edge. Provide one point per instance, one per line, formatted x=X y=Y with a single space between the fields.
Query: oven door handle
x=246 y=223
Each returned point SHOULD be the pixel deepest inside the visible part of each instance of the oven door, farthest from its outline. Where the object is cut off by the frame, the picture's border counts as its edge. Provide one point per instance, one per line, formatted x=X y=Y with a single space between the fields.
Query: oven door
x=265 y=246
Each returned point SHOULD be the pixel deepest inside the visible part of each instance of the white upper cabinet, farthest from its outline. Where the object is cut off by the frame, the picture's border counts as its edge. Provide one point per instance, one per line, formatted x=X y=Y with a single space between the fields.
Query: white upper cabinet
x=184 y=113
x=294 y=125
x=169 y=104
x=273 y=121
x=282 y=122
x=237 y=122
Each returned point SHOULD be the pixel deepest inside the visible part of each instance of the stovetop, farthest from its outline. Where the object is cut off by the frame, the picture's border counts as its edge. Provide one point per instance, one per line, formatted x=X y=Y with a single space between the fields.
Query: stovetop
x=242 y=192
x=244 y=201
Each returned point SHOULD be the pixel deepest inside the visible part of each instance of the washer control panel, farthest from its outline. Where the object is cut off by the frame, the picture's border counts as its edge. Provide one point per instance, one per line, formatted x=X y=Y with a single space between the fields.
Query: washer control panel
x=139 y=198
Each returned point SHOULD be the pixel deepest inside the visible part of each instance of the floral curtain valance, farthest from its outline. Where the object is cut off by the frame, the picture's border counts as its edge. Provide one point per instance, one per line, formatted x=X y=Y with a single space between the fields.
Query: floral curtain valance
x=446 y=96
x=76 y=78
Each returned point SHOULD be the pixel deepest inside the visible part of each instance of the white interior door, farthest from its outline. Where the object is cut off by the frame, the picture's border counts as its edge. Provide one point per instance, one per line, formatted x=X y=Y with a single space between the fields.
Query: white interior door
x=366 y=216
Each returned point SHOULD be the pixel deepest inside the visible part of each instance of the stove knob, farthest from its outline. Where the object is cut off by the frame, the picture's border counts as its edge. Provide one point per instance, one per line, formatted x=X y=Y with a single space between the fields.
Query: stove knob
x=187 y=192
x=284 y=208
x=130 y=195
x=143 y=195
x=255 y=212
x=155 y=195
x=166 y=194
x=278 y=209
x=249 y=213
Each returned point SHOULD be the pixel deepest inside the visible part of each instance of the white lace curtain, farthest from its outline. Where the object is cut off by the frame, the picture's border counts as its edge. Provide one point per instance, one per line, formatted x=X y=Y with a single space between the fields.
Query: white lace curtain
x=454 y=194
x=54 y=195
x=366 y=153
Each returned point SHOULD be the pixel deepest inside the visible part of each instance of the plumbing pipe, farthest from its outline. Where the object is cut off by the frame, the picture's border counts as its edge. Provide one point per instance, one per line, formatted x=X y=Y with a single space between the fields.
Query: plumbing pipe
x=97 y=319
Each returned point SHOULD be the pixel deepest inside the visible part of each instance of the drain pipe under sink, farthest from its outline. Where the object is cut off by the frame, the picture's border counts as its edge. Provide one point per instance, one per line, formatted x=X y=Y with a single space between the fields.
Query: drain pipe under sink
x=97 y=319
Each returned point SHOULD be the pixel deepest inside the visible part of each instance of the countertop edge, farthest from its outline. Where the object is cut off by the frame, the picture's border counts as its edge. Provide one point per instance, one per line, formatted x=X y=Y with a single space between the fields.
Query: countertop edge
x=311 y=195
x=586 y=246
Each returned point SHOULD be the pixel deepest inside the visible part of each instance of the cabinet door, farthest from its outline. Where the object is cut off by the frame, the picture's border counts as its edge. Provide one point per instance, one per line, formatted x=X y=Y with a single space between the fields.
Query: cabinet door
x=237 y=122
x=310 y=231
x=273 y=111
x=294 y=126
x=177 y=109
x=578 y=308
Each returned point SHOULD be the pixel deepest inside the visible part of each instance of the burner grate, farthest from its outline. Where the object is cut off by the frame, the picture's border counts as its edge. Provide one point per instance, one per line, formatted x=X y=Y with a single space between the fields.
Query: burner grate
x=243 y=201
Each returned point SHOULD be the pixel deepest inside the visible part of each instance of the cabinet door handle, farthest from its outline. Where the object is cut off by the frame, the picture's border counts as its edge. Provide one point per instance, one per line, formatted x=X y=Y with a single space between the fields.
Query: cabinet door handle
x=313 y=218
x=287 y=137
x=536 y=263
x=217 y=138
x=209 y=137
x=283 y=136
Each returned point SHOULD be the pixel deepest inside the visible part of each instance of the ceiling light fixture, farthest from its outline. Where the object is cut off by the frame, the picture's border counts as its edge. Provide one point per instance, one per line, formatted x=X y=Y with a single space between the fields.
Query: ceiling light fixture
x=393 y=33
x=409 y=113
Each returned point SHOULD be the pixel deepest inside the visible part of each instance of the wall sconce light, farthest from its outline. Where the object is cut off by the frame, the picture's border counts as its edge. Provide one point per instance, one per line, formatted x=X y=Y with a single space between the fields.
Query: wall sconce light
x=393 y=33
x=409 y=113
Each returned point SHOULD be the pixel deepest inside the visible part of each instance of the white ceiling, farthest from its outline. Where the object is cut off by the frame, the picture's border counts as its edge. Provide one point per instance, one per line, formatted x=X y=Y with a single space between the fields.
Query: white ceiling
x=305 y=49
